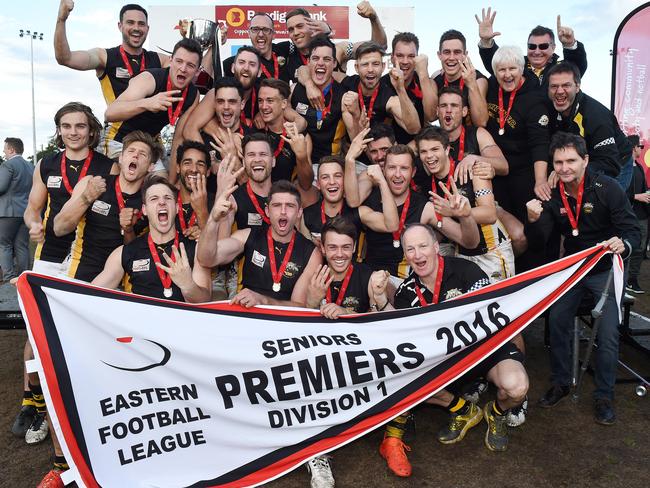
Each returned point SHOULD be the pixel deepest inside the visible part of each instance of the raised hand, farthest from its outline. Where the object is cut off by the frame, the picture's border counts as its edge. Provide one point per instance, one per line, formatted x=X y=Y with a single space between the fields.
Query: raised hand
x=163 y=100
x=65 y=7
x=318 y=285
x=358 y=144
x=350 y=102
x=565 y=34
x=375 y=174
x=296 y=140
x=397 y=78
x=199 y=193
x=468 y=72
x=178 y=269
x=422 y=65
x=128 y=217
x=378 y=285
x=485 y=27
x=365 y=10
x=94 y=188
x=224 y=204
x=534 y=210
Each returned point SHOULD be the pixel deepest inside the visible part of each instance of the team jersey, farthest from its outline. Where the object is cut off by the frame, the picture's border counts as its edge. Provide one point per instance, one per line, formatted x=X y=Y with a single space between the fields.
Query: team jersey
x=415 y=94
x=188 y=214
x=251 y=107
x=55 y=249
x=285 y=158
x=152 y=122
x=247 y=214
x=255 y=269
x=459 y=277
x=326 y=128
x=315 y=218
x=99 y=233
x=141 y=271
x=355 y=299
x=380 y=250
x=377 y=110
x=116 y=76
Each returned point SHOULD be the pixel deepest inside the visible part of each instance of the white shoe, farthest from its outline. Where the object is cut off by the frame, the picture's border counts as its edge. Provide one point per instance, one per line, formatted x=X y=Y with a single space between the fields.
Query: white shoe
x=38 y=430
x=517 y=415
x=321 y=472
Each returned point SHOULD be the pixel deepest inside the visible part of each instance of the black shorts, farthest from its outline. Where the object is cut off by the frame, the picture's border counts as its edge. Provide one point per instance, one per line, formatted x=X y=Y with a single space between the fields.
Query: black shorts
x=507 y=351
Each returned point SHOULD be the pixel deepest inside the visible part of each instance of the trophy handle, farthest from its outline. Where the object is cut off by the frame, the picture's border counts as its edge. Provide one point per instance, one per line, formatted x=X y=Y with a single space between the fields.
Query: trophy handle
x=216 y=55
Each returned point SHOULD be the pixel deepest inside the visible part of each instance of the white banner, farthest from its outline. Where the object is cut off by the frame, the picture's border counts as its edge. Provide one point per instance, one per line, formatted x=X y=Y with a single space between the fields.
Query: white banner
x=146 y=392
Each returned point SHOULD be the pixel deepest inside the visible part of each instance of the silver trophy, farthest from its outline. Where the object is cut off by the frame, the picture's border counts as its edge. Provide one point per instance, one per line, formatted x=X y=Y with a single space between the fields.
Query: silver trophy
x=207 y=34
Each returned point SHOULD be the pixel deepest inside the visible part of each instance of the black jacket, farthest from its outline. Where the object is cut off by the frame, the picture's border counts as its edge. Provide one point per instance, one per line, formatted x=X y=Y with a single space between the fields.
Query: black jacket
x=605 y=213
x=607 y=146
x=638 y=185
x=577 y=56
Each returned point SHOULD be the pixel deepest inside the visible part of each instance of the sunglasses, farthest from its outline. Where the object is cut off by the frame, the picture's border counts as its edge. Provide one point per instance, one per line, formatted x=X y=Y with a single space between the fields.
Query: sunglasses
x=542 y=47
x=640 y=146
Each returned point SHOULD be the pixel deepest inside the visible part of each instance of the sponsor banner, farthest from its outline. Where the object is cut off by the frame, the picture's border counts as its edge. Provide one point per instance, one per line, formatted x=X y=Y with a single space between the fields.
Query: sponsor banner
x=147 y=392
x=630 y=77
x=237 y=18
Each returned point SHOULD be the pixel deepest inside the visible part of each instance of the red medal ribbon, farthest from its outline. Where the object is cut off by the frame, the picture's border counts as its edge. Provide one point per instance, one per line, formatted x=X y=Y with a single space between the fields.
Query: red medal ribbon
x=502 y=117
x=371 y=105
x=402 y=217
x=344 y=287
x=84 y=170
x=278 y=149
x=276 y=69
x=181 y=214
x=416 y=89
x=127 y=63
x=436 y=290
x=276 y=274
x=120 y=198
x=256 y=204
x=242 y=115
x=165 y=279
x=581 y=189
x=461 y=144
x=329 y=105
x=304 y=58
x=450 y=176
x=446 y=82
x=174 y=117
x=323 y=216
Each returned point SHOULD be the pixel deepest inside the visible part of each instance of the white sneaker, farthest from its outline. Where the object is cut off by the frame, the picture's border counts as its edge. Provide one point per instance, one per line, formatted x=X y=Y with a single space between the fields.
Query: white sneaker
x=321 y=472
x=517 y=415
x=38 y=430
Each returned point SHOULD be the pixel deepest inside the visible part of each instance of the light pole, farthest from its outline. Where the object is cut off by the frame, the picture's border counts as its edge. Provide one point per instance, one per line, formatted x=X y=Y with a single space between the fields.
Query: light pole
x=32 y=35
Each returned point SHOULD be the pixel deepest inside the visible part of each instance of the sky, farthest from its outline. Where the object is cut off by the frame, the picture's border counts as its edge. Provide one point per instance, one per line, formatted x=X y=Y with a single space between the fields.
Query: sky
x=93 y=23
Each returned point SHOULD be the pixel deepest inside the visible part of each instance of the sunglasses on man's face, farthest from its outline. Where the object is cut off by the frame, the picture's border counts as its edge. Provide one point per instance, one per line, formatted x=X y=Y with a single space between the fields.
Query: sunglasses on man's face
x=640 y=146
x=542 y=47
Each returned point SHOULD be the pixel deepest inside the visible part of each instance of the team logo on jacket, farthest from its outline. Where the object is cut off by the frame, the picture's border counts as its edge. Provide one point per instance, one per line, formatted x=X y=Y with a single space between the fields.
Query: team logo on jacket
x=588 y=207
x=351 y=304
x=291 y=270
x=453 y=293
x=543 y=121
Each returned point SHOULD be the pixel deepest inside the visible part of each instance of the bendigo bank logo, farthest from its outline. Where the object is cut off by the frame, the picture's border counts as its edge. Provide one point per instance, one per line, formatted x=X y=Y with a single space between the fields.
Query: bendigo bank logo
x=144 y=351
x=235 y=17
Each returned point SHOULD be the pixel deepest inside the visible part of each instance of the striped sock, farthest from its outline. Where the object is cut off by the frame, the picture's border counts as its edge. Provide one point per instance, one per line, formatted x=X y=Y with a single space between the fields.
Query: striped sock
x=497 y=410
x=459 y=406
x=28 y=399
x=397 y=426
x=38 y=398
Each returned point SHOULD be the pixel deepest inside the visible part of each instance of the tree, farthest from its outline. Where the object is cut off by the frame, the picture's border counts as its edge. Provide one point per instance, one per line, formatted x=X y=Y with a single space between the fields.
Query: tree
x=51 y=148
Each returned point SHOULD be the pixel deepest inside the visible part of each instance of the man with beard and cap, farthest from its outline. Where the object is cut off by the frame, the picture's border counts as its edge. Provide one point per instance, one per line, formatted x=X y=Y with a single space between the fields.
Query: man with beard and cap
x=573 y=111
x=157 y=97
x=332 y=204
x=435 y=279
x=194 y=200
x=383 y=250
x=419 y=86
x=458 y=71
x=374 y=102
x=278 y=261
x=541 y=47
x=105 y=211
x=114 y=66
x=54 y=179
x=161 y=262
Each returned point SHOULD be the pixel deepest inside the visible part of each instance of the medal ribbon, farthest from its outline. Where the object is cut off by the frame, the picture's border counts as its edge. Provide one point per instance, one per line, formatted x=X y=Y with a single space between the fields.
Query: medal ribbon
x=565 y=202
x=461 y=84
x=461 y=144
x=120 y=198
x=165 y=279
x=276 y=274
x=278 y=149
x=402 y=217
x=436 y=290
x=371 y=105
x=242 y=115
x=502 y=117
x=323 y=216
x=181 y=214
x=320 y=115
x=304 y=58
x=84 y=170
x=256 y=204
x=344 y=287
x=276 y=69
x=127 y=63
x=416 y=89
x=174 y=117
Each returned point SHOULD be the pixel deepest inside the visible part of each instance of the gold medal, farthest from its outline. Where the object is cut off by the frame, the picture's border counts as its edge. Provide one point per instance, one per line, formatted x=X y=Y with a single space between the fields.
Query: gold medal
x=319 y=124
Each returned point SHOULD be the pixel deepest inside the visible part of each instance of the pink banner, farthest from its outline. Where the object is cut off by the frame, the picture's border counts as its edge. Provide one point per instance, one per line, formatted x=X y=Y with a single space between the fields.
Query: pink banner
x=631 y=88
